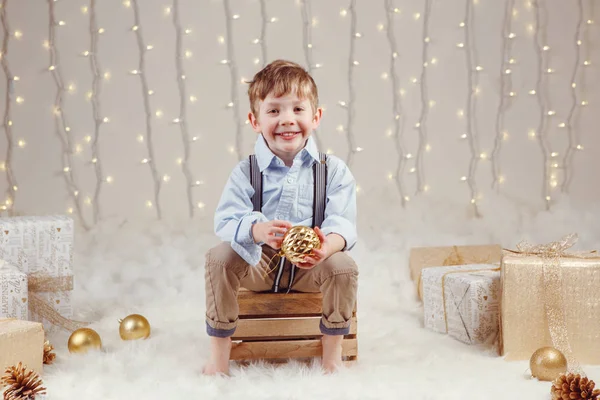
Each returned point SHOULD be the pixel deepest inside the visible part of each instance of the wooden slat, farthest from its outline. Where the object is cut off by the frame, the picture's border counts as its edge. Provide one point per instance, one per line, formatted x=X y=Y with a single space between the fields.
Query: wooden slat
x=286 y=349
x=268 y=304
x=279 y=304
x=274 y=328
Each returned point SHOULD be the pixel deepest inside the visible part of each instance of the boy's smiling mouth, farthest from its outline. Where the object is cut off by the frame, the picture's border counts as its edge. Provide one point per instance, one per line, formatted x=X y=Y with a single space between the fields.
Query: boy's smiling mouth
x=287 y=135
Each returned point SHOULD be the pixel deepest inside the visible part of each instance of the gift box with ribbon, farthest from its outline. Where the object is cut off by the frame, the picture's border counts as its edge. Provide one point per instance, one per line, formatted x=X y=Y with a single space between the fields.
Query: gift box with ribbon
x=47 y=246
x=551 y=297
x=426 y=257
x=463 y=301
x=13 y=292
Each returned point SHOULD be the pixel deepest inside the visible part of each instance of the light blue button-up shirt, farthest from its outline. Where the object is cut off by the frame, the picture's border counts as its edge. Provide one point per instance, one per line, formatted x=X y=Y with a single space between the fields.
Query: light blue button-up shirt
x=287 y=195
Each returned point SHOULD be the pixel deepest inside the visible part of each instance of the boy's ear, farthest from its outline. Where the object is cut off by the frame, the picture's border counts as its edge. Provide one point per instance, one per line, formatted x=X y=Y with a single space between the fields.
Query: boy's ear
x=317 y=118
x=254 y=122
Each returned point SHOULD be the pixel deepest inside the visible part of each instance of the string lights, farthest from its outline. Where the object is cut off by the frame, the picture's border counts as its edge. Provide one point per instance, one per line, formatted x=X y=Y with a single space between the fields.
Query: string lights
x=61 y=127
x=263 y=32
x=230 y=61
x=12 y=187
x=555 y=162
x=307 y=46
x=471 y=111
x=540 y=90
x=141 y=72
x=422 y=124
x=505 y=89
x=352 y=63
x=96 y=110
x=182 y=119
x=397 y=110
x=573 y=144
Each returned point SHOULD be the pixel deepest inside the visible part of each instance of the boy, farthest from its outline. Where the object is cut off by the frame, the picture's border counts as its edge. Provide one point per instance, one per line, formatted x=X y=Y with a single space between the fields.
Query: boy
x=283 y=102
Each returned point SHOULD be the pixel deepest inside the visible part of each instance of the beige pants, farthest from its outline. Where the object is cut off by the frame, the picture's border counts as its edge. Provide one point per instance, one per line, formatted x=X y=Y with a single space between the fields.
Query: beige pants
x=226 y=272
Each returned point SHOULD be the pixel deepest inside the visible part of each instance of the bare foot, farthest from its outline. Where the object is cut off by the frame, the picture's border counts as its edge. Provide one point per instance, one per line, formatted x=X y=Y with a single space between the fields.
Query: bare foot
x=332 y=352
x=218 y=363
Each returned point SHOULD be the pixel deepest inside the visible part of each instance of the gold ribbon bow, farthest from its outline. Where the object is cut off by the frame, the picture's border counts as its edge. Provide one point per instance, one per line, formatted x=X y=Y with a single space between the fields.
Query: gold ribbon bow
x=39 y=283
x=551 y=255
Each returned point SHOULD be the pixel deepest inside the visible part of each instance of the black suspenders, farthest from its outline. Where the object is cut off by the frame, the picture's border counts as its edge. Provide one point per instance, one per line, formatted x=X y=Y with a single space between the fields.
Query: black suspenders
x=319 y=200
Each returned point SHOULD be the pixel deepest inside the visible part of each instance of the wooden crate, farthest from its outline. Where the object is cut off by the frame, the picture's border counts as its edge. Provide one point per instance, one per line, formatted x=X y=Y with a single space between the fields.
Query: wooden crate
x=279 y=326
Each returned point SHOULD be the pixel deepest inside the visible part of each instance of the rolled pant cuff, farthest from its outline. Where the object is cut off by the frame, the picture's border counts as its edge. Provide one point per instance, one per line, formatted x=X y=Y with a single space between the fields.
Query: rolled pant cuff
x=222 y=333
x=334 y=331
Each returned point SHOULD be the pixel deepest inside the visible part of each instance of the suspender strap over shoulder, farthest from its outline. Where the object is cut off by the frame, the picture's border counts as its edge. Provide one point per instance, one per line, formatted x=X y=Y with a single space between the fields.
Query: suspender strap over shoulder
x=256 y=181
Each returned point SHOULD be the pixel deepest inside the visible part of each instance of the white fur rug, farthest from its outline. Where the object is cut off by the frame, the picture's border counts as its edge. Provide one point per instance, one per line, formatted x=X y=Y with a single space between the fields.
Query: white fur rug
x=157 y=270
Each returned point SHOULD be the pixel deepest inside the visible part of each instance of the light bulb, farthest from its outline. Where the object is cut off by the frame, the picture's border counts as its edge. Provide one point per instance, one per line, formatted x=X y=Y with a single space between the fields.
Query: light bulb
x=18 y=34
x=200 y=205
x=235 y=16
x=20 y=100
x=193 y=99
x=109 y=179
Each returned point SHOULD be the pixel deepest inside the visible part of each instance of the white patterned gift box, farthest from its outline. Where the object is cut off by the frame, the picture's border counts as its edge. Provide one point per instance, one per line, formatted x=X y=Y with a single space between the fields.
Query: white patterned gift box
x=13 y=292
x=47 y=243
x=463 y=301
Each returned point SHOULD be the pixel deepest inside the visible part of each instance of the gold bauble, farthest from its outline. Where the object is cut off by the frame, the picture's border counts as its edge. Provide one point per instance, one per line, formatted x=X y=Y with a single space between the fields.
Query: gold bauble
x=299 y=241
x=134 y=327
x=84 y=339
x=547 y=364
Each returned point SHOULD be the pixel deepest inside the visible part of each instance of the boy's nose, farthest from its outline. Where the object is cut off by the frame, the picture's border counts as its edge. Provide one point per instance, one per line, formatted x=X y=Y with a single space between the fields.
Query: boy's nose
x=287 y=120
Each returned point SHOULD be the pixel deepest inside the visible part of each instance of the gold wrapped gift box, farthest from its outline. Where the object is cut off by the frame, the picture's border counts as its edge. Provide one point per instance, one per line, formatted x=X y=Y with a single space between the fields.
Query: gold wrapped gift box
x=21 y=341
x=525 y=326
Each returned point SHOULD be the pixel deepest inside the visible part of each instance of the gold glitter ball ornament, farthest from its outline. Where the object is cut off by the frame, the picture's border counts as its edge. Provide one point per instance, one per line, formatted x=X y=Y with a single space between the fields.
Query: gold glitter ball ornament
x=133 y=327
x=547 y=364
x=299 y=241
x=84 y=339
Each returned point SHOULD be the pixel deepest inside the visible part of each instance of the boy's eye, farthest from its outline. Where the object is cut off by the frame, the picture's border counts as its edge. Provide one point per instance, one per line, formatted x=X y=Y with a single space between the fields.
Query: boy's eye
x=272 y=111
x=299 y=109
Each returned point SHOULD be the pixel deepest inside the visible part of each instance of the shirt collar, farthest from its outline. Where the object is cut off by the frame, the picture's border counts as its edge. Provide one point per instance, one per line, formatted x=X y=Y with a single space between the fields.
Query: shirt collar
x=264 y=155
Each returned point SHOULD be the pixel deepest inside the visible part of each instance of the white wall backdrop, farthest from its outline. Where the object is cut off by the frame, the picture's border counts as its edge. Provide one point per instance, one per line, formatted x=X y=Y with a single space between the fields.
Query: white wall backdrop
x=135 y=109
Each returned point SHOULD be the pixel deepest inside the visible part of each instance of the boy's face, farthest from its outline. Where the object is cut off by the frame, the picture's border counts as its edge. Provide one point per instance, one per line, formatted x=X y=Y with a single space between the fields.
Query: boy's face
x=285 y=122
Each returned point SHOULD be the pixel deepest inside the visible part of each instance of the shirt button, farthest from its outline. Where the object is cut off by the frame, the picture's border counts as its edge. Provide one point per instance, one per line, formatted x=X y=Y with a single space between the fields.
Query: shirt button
x=290 y=180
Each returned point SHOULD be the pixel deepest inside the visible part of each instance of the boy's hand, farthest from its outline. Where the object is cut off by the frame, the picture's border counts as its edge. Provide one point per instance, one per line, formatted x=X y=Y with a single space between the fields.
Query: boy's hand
x=317 y=255
x=267 y=232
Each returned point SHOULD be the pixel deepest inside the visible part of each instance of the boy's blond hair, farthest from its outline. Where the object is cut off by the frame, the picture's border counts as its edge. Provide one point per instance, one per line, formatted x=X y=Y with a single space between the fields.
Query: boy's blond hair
x=279 y=78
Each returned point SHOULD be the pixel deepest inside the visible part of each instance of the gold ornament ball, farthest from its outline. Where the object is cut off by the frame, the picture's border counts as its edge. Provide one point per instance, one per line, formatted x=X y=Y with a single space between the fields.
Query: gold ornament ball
x=547 y=363
x=84 y=339
x=298 y=242
x=134 y=327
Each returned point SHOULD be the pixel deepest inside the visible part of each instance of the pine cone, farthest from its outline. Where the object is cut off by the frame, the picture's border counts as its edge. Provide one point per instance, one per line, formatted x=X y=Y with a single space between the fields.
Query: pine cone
x=49 y=356
x=574 y=387
x=22 y=384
